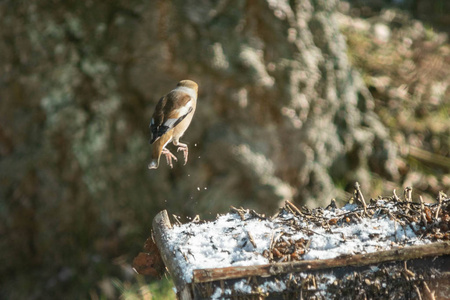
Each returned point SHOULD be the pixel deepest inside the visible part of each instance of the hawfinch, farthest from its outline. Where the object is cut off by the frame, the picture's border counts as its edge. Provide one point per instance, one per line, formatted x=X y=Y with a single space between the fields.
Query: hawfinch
x=171 y=118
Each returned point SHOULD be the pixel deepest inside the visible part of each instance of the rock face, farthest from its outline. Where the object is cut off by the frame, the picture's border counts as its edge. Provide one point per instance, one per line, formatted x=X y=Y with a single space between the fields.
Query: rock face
x=281 y=115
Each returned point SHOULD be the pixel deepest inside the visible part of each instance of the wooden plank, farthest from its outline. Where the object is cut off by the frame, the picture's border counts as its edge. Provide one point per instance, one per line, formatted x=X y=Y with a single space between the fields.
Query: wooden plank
x=413 y=252
x=394 y=280
x=161 y=224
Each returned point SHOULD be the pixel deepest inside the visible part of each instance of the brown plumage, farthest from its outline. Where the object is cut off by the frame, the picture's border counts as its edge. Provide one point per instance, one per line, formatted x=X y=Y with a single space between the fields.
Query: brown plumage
x=171 y=118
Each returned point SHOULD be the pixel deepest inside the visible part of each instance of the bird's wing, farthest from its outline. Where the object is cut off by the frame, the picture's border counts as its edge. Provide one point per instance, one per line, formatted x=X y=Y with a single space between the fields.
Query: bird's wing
x=169 y=112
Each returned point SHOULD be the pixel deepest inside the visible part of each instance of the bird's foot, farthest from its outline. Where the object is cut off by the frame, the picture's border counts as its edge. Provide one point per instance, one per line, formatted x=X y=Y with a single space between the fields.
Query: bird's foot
x=185 y=150
x=169 y=157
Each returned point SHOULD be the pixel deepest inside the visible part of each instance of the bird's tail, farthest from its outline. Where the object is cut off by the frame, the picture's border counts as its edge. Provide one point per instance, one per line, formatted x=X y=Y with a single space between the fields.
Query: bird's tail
x=156 y=154
x=157 y=149
x=154 y=164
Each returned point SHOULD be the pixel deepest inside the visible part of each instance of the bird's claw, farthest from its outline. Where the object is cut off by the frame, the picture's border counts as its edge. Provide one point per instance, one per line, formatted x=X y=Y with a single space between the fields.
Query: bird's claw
x=169 y=157
x=185 y=152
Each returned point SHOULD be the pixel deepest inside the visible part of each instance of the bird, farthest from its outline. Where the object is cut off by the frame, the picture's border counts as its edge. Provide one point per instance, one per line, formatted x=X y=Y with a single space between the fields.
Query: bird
x=172 y=116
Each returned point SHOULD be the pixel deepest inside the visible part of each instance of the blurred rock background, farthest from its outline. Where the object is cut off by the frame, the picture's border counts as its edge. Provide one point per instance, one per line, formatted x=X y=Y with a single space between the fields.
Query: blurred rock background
x=298 y=100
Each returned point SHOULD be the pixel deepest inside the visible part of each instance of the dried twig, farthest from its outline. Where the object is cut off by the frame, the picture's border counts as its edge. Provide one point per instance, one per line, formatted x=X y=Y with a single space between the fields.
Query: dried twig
x=408 y=193
x=257 y=215
x=177 y=219
x=250 y=237
x=293 y=207
x=440 y=198
x=360 y=197
x=332 y=204
x=427 y=292
x=422 y=211
x=396 y=198
x=407 y=271
x=417 y=291
x=274 y=240
x=239 y=212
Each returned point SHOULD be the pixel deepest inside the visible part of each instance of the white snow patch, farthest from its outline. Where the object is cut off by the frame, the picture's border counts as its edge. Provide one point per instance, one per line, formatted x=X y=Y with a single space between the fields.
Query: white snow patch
x=242 y=287
x=225 y=241
x=217 y=293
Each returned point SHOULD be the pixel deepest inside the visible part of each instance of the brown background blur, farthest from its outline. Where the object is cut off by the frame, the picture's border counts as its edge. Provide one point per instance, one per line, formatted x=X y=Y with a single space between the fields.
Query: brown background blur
x=297 y=100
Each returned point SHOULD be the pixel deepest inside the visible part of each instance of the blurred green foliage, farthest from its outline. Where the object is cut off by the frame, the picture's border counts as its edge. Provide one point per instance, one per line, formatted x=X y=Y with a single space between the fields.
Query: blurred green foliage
x=408 y=75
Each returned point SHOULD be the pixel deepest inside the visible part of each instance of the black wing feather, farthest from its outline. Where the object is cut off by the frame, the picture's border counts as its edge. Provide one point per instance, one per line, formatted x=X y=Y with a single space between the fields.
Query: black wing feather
x=158 y=130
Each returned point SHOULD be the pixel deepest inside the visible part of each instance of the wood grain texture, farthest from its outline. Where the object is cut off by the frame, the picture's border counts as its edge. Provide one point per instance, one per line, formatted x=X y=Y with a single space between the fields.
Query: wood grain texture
x=403 y=254
x=161 y=224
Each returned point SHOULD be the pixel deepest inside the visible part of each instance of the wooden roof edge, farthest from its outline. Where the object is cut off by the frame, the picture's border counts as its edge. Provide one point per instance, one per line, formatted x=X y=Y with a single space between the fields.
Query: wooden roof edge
x=161 y=224
x=398 y=254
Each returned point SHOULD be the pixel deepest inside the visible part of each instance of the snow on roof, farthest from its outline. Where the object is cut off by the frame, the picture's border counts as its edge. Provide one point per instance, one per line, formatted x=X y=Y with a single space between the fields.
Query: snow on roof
x=248 y=239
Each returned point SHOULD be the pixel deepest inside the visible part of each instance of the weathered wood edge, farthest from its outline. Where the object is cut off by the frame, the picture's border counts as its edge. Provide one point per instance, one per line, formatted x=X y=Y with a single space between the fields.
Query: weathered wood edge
x=161 y=224
x=413 y=252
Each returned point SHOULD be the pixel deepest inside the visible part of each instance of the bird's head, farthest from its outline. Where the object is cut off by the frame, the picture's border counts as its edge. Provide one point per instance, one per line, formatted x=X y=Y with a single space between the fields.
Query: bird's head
x=189 y=84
